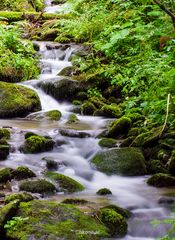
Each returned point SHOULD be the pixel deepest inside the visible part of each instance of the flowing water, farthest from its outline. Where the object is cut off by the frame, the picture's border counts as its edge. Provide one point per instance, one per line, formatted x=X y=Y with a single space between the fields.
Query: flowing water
x=73 y=157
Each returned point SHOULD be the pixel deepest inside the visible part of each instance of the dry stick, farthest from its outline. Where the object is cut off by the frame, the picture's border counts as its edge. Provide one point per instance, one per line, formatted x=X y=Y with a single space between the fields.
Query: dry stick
x=167 y=112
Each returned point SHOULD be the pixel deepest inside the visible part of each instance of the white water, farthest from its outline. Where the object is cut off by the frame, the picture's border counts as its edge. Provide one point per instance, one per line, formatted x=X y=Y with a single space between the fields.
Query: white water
x=74 y=156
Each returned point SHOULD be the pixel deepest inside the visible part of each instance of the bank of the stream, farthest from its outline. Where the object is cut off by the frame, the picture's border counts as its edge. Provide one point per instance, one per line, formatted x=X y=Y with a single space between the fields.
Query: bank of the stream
x=78 y=134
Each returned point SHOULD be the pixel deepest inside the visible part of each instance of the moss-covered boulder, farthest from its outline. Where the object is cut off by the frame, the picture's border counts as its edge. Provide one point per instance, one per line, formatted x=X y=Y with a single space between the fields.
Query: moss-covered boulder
x=114 y=221
x=22 y=197
x=110 y=111
x=53 y=115
x=17 y=101
x=4 y=149
x=36 y=144
x=75 y=201
x=107 y=142
x=37 y=186
x=23 y=173
x=53 y=221
x=161 y=180
x=65 y=183
x=122 y=211
x=74 y=134
x=4 y=133
x=61 y=89
x=123 y=161
x=147 y=139
x=88 y=108
x=104 y=191
x=6 y=213
x=6 y=174
x=119 y=127
x=72 y=119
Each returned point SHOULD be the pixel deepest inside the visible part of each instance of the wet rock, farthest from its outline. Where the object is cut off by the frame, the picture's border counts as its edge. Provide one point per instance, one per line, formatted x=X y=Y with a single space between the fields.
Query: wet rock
x=4 y=133
x=114 y=221
x=29 y=134
x=67 y=71
x=6 y=174
x=104 y=191
x=124 y=161
x=88 y=108
x=161 y=180
x=53 y=115
x=108 y=142
x=4 y=149
x=75 y=201
x=122 y=211
x=119 y=127
x=51 y=164
x=74 y=134
x=36 y=144
x=23 y=173
x=22 y=197
x=166 y=200
x=53 y=221
x=66 y=183
x=37 y=186
x=61 y=89
x=17 y=103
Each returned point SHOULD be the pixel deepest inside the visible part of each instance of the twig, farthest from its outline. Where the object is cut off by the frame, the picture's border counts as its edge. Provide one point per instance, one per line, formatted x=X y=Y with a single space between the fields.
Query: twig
x=167 y=113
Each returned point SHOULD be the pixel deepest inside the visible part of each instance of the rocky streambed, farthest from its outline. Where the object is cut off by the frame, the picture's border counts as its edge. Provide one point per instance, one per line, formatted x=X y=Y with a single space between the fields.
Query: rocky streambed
x=65 y=174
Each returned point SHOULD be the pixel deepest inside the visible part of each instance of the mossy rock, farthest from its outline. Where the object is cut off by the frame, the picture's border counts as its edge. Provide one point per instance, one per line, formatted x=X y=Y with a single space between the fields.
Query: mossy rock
x=23 y=173
x=135 y=117
x=29 y=134
x=88 y=108
x=6 y=213
x=73 y=133
x=114 y=221
x=123 y=161
x=110 y=111
x=122 y=211
x=161 y=180
x=53 y=221
x=107 y=142
x=17 y=101
x=81 y=96
x=62 y=39
x=119 y=127
x=147 y=139
x=37 y=186
x=4 y=149
x=127 y=142
x=63 y=89
x=72 y=119
x=6 y=174
x=171 y=163
x=104 y=191
x=67 y=71
x=156 y=166
x=36 y=144
x=98 y=102
x=4 y=133
x=49 y=34
x=22 y=197
x=163 y=155
x=66 y=183
x=53 y=115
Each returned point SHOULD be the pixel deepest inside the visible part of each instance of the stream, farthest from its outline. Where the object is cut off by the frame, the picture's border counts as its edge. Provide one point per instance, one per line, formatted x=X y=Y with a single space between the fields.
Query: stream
x=74 y=156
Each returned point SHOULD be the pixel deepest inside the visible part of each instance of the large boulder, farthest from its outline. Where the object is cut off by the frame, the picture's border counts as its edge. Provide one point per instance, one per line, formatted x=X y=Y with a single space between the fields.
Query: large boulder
x=119 y=127
x=161 y=180
x=123 y=161
x=17 y=101
x=53 y=221
x=61 y=89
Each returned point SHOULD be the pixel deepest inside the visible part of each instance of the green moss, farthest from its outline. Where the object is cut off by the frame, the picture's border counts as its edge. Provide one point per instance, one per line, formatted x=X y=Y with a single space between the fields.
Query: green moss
x=72 y=119
x=124 y=212
x=39 y=4
x=35 y=144
x=29 y=134
x=75 y=201
x=4 y=149
x=119 y=127
x=103 y=191
x=23 y=173
x=157 y=167
x=22 y=197
x=62 y=39
x=4 y=133
x=51 y=220
x=17 y=101
x=49 y=34
x=111 y=111
x=65 y=183
x=53 y=115
x=108 y=142
x=37 y=186
x=88 y=108
x=6 y=174
x=161 y=180
x=115 y=222
x=124 y=161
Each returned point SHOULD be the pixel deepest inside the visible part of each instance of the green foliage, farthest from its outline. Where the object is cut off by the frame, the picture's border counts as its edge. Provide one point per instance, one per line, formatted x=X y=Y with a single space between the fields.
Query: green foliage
x=13 y=223
x=136 y=40
x=18 y=61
